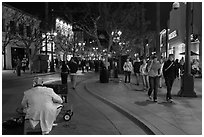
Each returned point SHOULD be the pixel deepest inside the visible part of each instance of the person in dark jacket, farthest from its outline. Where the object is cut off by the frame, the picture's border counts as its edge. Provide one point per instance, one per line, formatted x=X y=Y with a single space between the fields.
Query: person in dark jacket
x=73 y=68
x=64 y=73
x=169 y=72
x=136 y=66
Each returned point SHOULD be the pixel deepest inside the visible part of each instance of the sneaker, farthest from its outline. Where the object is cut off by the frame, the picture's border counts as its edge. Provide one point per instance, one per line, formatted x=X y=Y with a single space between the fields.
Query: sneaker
x=54 y=124
x=170 y=100
x=45 y=133
x=150 y=98
x=155 y=100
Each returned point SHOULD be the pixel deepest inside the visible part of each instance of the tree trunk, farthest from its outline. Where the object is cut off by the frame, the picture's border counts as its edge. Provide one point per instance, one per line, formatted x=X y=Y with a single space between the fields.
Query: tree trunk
x=30 y=60
x=108 y=51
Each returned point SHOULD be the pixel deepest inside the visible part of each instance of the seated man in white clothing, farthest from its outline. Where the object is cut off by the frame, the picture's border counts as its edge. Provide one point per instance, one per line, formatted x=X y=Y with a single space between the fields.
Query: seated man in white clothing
x=41 y=104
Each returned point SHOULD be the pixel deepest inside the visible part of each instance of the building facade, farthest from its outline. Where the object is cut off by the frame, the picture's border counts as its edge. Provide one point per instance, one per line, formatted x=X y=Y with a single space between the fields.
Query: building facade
x=177 y=33
x=16 y=23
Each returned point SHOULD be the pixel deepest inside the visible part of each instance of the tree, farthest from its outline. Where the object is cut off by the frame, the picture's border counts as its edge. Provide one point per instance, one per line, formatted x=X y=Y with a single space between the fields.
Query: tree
x=8 y=32
x=64 y=44
x=15 y=33
x=32 y=39
x=129 y=18
x=111 y=17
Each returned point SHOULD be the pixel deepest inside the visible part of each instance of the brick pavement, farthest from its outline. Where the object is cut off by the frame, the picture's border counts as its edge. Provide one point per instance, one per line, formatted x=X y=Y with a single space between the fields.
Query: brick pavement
x=183 y=117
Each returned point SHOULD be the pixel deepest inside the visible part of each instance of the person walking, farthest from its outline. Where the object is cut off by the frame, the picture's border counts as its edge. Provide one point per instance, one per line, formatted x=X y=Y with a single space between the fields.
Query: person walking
x=83 y=64
x=18 y=67
x=64 y=73
x=24 y=61
x=169 y=72
x=136 y=66
x=73 y=68
x=143 y=72
x=154 y=74
x=127 y=67
x=161 y=76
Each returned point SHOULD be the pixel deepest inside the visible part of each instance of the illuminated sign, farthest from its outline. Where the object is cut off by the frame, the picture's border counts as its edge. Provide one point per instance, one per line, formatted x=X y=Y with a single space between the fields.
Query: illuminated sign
x=173 y=34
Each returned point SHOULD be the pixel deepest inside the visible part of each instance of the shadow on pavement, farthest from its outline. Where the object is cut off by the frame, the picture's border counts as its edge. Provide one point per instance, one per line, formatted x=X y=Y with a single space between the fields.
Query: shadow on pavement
x=167 y=103
x=144 y=103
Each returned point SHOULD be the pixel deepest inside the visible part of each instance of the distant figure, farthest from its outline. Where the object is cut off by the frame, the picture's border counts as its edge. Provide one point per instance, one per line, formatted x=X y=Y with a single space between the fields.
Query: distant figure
x=181 y=64
x=64 y=73
x=73 y=67
x=177 y=66
x=18 y=67
x=169 y=72
x=57 y=63
x=42 y=105
x=161 y=76
x=14 y=65
x=24 y=63
x=83 y=64
x=136 y=66
x=128 y=68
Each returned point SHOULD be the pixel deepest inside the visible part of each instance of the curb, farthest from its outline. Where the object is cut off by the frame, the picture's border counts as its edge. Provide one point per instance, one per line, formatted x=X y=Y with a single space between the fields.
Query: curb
x=149 y=129
x=30 y=76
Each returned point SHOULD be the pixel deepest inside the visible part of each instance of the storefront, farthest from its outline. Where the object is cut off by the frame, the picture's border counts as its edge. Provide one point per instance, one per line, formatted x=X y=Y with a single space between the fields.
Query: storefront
x=176 y=35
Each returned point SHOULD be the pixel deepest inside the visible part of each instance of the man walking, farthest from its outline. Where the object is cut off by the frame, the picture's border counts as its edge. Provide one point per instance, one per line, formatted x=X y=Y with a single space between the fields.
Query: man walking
x=169 y=72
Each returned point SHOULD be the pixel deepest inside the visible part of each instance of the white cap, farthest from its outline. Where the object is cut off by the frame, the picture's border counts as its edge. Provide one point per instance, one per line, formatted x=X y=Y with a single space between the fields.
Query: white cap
x=37 y=81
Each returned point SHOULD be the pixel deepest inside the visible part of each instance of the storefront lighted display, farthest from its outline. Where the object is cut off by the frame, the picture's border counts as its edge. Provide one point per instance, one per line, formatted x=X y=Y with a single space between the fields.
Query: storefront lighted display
x=173 y=34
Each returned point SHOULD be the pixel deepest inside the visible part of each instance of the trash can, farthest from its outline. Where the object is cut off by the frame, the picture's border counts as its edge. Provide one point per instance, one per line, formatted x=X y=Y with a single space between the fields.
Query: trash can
x=18 y=71
x=104 y=76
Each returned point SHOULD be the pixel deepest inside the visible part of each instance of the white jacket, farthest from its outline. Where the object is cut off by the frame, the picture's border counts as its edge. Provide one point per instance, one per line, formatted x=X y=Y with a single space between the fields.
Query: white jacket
x=41 y=105
x=128 y=66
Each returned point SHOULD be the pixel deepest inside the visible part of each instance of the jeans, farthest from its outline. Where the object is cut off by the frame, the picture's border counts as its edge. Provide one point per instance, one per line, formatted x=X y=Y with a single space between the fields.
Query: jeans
x=169 y=84
x=127 y=74
x=145 y=81
x=153 y=83
x=73 y=80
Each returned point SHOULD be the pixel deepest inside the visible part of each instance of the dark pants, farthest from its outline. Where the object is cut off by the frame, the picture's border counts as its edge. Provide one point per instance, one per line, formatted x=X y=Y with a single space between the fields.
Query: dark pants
x=169 y=83
x=153 y=83
x=82 y=68
x=64 y=76
x=127 y=74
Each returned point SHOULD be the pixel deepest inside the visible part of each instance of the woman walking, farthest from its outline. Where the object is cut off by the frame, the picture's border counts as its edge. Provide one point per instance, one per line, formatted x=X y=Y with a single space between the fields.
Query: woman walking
x=154 y=74
x=144 y=74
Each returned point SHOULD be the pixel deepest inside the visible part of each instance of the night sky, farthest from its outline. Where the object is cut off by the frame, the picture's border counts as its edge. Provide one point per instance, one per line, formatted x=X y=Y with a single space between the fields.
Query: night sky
x=38 y=9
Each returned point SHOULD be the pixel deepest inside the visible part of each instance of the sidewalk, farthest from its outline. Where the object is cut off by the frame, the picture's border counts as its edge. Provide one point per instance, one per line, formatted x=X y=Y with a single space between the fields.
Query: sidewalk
x=8 y=74
x=182 y=117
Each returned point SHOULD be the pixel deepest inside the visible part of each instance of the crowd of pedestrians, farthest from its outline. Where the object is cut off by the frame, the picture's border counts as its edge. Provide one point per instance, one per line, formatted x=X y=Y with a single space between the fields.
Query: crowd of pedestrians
x=154 y=73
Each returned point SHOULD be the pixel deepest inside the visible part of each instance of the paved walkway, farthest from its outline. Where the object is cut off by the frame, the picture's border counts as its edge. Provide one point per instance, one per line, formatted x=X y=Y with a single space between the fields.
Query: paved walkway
x=9 y=74
x=182 y=117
